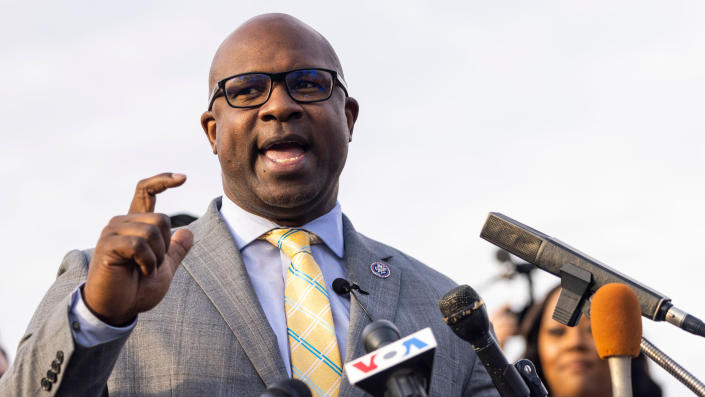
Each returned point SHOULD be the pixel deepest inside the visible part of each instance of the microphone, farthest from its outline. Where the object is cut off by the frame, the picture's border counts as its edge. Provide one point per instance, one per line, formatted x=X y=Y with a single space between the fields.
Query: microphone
x=343 y=287
x=287 y=388
x=393 y=367
x=580 y=274
x=464 y=312
x=615 y=319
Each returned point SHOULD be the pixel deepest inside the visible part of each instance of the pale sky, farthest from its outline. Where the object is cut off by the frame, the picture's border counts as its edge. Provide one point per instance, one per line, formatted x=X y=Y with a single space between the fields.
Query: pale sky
x=583 y=120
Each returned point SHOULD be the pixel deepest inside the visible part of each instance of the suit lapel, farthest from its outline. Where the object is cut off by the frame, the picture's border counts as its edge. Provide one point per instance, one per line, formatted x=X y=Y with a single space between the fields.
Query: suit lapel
x=215 y=264
x=381 y=303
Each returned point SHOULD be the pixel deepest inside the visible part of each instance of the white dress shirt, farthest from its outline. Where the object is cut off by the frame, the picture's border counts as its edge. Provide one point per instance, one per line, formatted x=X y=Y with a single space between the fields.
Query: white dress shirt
x=267 y=267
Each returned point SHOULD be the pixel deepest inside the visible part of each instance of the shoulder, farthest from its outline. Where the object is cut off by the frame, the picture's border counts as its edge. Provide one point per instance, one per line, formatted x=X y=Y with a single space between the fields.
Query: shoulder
x=416 y=275
x=75 y=262
x=456 y=369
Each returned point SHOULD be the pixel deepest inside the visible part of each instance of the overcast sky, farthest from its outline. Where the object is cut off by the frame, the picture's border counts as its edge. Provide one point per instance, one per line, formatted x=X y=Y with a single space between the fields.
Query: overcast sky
x=583 y=120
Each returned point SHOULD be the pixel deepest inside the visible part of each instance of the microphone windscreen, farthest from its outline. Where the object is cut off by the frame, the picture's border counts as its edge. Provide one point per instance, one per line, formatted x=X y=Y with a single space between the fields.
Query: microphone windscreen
x=458 y=299
x=464 y=312
x=341 y=286
x=615 y=319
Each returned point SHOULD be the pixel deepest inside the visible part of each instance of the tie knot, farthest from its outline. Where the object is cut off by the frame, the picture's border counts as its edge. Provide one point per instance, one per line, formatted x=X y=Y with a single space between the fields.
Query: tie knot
x=291 y=241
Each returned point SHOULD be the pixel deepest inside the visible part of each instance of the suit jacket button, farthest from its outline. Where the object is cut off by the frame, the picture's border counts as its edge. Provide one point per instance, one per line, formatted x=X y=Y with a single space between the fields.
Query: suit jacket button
x=55 y=366
x=51 y=375
x=46 y=385
x=60 y=357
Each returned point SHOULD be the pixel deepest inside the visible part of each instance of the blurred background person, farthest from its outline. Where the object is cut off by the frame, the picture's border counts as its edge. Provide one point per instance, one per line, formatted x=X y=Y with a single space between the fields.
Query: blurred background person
x=505 y=323
x=505 y=320
x=566 y=358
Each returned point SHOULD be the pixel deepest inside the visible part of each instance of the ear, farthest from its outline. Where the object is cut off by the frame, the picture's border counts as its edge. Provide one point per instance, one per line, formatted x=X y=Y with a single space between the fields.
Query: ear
x=352 y=108
x=209 y=127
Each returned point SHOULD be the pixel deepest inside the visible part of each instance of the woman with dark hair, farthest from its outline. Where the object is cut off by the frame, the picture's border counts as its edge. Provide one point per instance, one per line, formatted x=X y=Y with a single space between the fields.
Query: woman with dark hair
x=566 y=358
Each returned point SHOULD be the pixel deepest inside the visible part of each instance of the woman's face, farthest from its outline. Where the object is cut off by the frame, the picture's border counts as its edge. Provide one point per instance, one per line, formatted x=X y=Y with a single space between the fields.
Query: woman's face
x=569 y=359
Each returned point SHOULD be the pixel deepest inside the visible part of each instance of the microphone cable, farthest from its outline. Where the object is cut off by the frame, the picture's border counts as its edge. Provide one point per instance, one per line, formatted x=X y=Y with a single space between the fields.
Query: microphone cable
x=343 y=287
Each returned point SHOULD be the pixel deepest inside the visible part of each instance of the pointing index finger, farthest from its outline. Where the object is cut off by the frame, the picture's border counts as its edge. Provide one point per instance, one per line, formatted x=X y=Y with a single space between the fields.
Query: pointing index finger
x=146 y=192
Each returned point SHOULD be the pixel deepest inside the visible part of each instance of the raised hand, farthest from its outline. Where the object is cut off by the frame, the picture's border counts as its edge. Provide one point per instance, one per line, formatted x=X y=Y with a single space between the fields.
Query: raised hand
x=136 y=257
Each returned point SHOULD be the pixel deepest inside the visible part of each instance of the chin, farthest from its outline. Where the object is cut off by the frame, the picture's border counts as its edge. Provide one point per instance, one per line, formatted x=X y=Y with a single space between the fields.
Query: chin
x=290 y=198
x=581 y=388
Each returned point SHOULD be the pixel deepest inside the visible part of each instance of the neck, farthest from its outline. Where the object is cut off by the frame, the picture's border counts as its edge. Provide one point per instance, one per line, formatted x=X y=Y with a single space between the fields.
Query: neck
x=289 y=217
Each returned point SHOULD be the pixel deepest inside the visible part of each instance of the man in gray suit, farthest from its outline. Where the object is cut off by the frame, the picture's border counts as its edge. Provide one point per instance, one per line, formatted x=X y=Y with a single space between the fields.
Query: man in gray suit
x=4 y=361
x=200 y=311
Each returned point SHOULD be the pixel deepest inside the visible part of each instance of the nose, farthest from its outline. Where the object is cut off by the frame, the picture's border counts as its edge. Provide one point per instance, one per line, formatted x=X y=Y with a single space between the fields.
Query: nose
x=280 y=106
x=578 y=337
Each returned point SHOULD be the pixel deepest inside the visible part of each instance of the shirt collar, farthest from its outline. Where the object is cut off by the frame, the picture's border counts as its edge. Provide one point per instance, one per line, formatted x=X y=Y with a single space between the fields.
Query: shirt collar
x=248 y=226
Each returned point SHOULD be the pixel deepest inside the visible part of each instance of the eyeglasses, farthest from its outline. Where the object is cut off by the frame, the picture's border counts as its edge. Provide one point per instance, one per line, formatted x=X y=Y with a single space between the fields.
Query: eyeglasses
x=249 y=90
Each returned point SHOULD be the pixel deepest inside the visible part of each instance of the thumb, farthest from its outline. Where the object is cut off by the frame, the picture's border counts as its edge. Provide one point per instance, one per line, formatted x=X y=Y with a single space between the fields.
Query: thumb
x=180 y=244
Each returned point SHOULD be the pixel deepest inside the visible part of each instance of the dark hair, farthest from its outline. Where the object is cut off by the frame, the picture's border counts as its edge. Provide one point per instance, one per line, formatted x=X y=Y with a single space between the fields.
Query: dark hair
x=642 y=383
x=178 y=220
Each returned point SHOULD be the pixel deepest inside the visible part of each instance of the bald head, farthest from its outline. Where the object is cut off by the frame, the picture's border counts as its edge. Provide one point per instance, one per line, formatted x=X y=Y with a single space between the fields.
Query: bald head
x=282 y=158
x=263 y=37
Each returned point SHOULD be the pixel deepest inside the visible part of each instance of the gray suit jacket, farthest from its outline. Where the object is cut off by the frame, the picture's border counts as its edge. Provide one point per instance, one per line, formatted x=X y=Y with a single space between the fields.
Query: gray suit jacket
x=210 y=337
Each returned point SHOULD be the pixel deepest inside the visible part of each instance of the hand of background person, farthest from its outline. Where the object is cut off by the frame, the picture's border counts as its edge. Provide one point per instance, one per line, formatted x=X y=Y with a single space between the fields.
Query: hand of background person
x=505 y=324
x=136 y=257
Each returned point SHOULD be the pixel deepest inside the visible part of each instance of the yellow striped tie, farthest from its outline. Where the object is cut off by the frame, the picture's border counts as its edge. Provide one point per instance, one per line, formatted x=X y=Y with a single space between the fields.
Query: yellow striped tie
x=315 y=357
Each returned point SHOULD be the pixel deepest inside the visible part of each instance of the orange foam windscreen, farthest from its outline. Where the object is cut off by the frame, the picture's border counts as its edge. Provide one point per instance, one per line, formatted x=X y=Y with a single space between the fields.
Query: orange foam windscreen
x=615 y=319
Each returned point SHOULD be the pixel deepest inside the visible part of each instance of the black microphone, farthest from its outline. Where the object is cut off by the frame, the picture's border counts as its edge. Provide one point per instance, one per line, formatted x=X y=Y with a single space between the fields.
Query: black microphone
x=287 y=388
x=393 y=367
x=343 y=287
x=404 y=381
x=580 y=274
x=464 y=312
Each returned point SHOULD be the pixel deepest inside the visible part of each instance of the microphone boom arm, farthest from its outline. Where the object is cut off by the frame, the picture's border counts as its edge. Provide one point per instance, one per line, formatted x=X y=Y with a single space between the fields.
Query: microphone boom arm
x=554 y=256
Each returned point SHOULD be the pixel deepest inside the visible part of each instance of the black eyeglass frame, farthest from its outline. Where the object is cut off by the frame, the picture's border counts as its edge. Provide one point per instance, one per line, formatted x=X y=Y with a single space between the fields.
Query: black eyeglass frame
x=219 y=89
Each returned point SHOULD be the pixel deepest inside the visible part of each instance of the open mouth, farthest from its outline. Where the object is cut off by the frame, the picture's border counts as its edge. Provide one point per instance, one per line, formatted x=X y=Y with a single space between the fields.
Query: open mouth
x=284 y=152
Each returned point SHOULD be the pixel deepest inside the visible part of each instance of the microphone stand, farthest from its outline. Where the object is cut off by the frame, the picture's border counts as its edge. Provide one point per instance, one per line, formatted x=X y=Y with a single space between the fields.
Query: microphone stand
x=531 y=378
x=672 y=367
